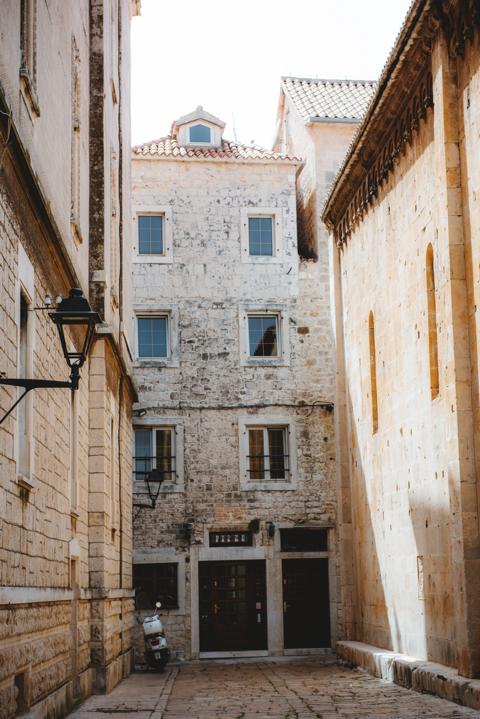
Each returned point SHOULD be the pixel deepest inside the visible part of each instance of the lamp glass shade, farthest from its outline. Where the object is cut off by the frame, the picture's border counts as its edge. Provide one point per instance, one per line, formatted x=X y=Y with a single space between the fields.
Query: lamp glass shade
x=75 y=311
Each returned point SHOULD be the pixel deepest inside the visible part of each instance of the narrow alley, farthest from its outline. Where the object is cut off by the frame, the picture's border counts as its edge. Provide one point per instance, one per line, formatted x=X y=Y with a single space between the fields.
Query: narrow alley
x=281 y=689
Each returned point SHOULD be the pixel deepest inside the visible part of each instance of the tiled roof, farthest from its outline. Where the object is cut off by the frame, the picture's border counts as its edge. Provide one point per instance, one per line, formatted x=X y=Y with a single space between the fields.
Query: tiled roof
x=168 y=147
x=329 y=99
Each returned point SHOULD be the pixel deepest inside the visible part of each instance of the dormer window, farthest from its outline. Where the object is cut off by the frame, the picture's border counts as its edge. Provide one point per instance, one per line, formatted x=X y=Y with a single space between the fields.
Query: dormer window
x=200 y=133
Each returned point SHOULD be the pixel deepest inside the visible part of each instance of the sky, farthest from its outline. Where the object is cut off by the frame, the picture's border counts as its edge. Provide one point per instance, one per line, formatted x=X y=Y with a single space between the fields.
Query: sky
x=229 y=56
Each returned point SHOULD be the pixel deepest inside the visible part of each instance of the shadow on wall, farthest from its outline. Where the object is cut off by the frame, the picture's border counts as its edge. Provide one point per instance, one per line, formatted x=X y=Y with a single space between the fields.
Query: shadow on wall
x=431 y=527
x=404 y=596
x=371 y=616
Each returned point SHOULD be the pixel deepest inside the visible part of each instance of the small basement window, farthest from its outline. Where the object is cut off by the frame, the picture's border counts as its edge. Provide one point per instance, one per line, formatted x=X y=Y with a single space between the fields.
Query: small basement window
x=301 y=539
x=200 y=133
x=156 y=583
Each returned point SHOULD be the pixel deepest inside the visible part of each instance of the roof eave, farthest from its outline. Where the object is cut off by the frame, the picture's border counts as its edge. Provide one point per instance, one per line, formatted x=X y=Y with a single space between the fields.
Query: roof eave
x=230 y=160
x=315 y=119
x=414 y=14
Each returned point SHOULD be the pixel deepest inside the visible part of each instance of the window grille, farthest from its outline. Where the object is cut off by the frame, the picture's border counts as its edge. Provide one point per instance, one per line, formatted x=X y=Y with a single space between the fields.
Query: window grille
x=156 y=583
x=267 y=453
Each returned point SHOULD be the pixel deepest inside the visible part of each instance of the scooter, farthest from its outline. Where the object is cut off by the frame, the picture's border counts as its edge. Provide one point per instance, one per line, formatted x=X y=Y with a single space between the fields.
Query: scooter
x=157 y=652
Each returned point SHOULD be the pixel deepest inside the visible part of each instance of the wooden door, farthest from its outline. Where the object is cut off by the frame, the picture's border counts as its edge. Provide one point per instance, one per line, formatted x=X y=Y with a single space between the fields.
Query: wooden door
x=232 y=604
x=306 y=605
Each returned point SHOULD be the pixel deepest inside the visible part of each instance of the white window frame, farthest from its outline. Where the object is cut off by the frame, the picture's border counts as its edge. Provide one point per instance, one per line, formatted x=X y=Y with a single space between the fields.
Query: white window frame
x=283 y=358
x=171 y=313
x=161 y=422
x=267 y=421
x=166 y=212
x=277 y=234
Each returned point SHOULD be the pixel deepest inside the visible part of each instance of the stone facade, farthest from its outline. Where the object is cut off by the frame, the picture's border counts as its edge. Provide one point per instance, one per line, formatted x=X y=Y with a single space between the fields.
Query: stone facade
x=65 y=480
x=210 y=388
x=404 y=214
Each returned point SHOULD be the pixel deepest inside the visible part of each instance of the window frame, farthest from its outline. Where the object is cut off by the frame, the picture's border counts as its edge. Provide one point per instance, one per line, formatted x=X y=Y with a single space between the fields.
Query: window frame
x=266 y=422
x=154 y=316
x=275 y=213
x=282 y=359
x=164 y=211
x=153 y=424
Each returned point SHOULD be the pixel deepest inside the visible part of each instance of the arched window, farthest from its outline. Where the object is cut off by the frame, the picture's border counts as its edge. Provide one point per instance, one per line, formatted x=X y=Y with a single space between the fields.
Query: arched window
x=432 y=323
x=200 y=133
x=373 y=372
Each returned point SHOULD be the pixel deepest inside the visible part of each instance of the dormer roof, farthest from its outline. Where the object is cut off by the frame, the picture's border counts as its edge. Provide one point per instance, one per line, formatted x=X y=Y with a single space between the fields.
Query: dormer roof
x=198 y=114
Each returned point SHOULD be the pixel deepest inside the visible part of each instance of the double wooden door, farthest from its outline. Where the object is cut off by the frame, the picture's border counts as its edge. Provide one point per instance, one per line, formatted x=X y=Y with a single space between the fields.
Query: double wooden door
x=306 y=604
x=233 y=606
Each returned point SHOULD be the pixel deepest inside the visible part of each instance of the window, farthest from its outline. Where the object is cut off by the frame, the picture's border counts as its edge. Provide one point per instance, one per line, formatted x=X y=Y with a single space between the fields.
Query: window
x=263 y=335
x=432 y=325
x=75 y=154
x=200 y=133
x=28 y=46
x=150 y=235
x=260 y=236
x=24 y=409
x=302 y=539
x=373 y=372
x=267 y=453
x=156 y=583
x=153 y=336
x=155 y=455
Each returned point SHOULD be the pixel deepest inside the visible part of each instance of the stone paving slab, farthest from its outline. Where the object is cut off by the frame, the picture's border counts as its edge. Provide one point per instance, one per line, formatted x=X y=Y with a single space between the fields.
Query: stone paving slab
x=306 y=689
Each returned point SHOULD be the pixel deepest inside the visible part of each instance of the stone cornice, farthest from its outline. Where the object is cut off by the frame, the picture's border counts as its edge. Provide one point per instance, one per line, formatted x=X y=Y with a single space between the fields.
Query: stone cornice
x=401 y=103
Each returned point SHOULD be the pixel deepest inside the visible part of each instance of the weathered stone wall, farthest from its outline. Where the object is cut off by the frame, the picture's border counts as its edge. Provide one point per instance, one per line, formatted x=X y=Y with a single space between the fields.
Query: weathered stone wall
x=413 y=487
x=65 y=490
x=208 y=389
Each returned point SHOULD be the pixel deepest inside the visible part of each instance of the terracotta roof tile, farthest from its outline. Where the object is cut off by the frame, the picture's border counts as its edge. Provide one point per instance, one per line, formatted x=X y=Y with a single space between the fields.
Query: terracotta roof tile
x=168 y=147
x=329 y=99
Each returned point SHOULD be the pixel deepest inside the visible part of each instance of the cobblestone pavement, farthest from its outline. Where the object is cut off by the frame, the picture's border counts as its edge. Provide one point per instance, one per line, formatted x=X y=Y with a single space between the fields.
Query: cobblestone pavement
x=297 y=689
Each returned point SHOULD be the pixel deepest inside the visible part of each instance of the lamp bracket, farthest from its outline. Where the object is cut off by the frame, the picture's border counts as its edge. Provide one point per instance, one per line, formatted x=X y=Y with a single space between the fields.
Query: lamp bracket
x=29 y=384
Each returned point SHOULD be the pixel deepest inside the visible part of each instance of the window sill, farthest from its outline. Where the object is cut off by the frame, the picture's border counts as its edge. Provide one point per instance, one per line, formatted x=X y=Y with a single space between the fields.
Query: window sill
x=262 y=259
x=155 y=363
x=152 y=260
x=268 y=486
x=166 y=488
x=264 y=362
x=25 y=482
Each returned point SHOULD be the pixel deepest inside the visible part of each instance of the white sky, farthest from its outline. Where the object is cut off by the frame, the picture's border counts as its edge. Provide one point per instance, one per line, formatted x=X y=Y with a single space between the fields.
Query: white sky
x=229 y=55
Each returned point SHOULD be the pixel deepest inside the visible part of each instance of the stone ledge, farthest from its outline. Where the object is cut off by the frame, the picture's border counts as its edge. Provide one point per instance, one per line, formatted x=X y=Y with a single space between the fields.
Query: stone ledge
x=411 y=673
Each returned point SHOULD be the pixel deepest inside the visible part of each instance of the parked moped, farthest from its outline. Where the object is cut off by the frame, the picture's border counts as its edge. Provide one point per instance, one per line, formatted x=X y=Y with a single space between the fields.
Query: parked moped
x=157 y=652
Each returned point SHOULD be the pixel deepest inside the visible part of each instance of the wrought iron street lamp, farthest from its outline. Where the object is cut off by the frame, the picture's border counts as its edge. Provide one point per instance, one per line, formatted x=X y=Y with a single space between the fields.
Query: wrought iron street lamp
x=74 y=311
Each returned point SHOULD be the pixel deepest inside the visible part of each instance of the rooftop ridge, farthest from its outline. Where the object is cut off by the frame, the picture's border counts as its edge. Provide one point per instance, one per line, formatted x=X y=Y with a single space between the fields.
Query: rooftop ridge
x=330 y=80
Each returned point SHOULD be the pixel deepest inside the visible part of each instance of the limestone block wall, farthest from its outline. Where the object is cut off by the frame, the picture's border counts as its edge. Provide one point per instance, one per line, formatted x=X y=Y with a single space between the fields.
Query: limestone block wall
x=412 y=480
x=208 y=389
x=48 y=93
x=44 y=632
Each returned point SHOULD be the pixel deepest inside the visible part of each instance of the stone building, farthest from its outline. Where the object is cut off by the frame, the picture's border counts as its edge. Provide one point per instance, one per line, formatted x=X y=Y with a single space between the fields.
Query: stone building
x=65 y=456
x=404 y=212
x=233 y=363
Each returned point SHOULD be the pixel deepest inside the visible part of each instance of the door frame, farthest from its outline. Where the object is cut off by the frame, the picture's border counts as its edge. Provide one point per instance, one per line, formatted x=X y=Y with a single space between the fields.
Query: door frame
x=274 y=580
x=332 y=586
